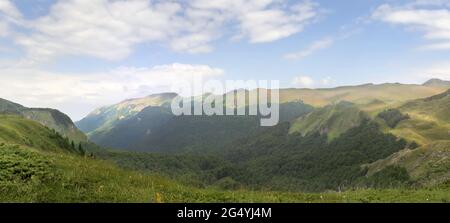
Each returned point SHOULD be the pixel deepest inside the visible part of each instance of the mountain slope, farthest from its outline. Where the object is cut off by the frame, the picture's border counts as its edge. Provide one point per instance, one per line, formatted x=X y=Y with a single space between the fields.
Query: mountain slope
x=44 y=172
x=18 y=130
x=368 y=97
x=429 y=119
x=51 y=118
x=427 y=165
x=106 y=117
x=155 y=128
x=437 y=83
x=283 y=161
x=332 y=120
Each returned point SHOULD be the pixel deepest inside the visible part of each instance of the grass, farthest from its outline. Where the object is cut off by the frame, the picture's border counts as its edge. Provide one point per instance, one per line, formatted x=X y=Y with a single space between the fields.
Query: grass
x=29 y=175
x=332 y=119
x=427 y=165
x=17 y=130
x=34 y=169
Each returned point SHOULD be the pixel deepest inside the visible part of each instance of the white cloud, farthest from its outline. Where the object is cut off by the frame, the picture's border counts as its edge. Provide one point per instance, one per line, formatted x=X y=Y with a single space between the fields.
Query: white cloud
x=314 y=47
x=433 y=22
x=8 y=9
x=308 y=82
x=84 y=92
x=109 y=29
x=303 y=81
x=327 y=81
x=4 y=29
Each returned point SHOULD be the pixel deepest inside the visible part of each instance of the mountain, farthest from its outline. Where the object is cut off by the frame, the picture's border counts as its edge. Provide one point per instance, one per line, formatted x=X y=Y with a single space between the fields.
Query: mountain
x=437 y=83
x=39 y=165
x=154 y=128
x=19 y=130
x=429 y=119
x=427 y=123
x=51 y=118
x=106 y=117
x=281 y=161
x=332 y=120
x=427 y=165
x=369 y=97
x=146 y=124
x=10 y=107
x=338 y=147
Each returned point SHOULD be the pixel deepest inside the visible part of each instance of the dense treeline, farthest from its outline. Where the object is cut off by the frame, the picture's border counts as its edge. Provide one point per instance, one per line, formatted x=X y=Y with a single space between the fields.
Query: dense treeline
x=283 y=161
x=155 y=128
x=274 y=159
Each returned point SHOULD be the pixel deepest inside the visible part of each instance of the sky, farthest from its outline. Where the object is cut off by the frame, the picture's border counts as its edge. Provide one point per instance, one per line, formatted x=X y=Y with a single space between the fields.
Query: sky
x=78 y=55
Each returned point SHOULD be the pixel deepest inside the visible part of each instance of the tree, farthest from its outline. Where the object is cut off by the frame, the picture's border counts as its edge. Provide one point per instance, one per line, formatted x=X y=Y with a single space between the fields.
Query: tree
x=81 y=150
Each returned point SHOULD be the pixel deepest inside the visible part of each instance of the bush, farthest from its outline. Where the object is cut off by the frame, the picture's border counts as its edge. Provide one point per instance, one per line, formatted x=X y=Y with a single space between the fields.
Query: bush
x=392 y=117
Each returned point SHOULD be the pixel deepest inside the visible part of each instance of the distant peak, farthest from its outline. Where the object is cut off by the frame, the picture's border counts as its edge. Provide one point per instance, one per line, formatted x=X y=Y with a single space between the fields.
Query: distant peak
x=167 y=94
x=436 y=82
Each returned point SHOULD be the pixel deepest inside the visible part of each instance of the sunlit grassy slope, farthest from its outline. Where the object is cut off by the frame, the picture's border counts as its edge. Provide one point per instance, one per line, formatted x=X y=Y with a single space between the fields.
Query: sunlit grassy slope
x=368 y=96
x=427 y=165
x=29 y=175
x=17 y=130
x=42 y=172
x=429 y=119
x=103 y=119
x=51 y=118
x=332 y=120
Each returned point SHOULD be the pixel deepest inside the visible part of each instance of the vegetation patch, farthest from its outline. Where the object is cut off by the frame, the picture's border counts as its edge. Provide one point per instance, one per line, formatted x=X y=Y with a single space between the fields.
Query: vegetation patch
x=392 y=117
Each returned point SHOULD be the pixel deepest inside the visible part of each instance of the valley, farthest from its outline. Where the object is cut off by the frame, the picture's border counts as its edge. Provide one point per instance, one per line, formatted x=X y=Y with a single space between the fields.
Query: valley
x=367 y=143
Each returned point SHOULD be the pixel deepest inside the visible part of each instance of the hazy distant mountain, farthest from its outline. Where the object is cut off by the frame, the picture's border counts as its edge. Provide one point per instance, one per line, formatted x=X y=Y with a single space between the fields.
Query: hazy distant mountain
x=146 y=122
x=437 y=83
x=51 y=118
x=157 y=129
x=106 y=117
x=367 y=136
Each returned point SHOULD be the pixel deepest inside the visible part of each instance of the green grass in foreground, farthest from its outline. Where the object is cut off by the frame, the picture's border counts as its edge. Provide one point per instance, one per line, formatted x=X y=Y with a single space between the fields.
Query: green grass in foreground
x=28 y=175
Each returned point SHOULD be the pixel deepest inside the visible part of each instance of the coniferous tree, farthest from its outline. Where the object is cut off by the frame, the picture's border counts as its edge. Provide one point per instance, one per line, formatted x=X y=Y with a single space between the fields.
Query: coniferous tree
x=81 y=150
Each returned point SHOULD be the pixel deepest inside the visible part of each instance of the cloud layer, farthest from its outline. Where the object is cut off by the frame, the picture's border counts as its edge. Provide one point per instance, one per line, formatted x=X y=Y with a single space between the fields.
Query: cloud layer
x=109 y=29
x=431 y=17
x=304 y=81
x=34 y=87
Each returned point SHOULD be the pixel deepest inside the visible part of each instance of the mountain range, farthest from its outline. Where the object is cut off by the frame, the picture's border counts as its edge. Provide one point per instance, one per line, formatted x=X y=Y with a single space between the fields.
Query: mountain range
x=372 y=142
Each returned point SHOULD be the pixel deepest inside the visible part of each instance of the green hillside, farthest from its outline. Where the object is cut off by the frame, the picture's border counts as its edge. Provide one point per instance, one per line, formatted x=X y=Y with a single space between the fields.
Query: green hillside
x=429 y=119
x=105 y=118
x=127 y=124
x=44 y=172
x=332 y=120
x=285 y=161
x=368 y=97
x=33 y=176
x=427 y=165
x=17 y=130
x=355 y=150
x=51 y=118
x=154 y=128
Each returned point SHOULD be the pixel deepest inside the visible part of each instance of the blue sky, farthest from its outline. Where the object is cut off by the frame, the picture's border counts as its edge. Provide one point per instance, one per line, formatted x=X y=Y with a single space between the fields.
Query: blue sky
x=76 y=55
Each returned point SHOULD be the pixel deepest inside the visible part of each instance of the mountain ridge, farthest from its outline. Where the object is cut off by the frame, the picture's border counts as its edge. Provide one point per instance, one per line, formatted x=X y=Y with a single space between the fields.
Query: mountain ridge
x=51 y=118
